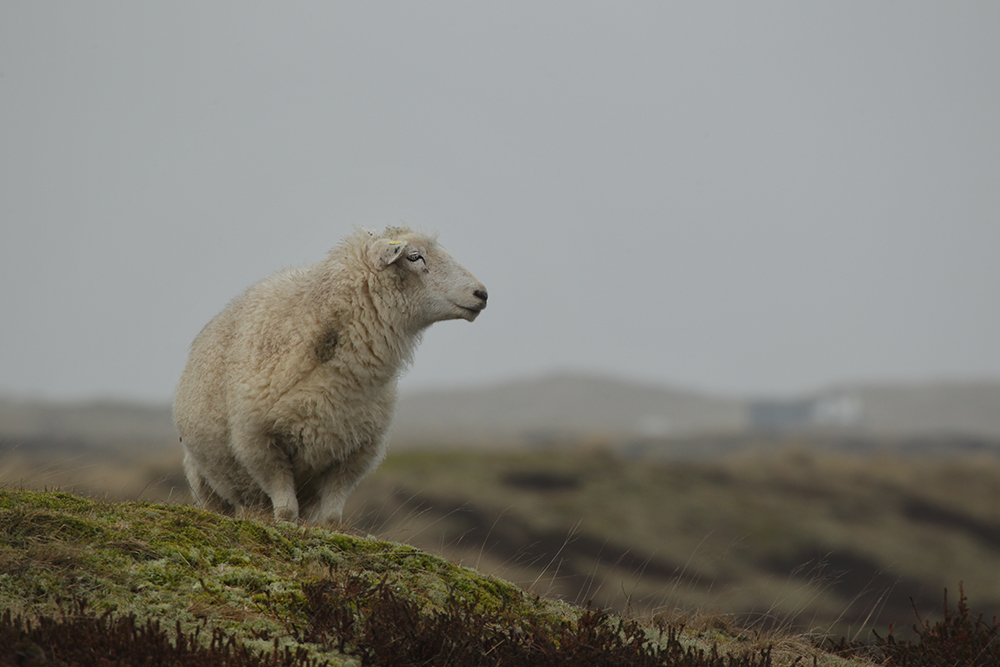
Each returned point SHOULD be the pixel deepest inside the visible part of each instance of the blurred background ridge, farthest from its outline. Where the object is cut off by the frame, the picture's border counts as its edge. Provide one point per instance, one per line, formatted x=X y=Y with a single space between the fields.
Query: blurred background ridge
x=572 y=408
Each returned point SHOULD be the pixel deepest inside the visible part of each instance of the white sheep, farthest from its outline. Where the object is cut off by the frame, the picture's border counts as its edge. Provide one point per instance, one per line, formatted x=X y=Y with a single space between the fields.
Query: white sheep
x=288 y=393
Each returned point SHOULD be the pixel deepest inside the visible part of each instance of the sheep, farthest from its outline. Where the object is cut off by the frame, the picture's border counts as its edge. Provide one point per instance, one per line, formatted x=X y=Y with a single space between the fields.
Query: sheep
x=288 y=393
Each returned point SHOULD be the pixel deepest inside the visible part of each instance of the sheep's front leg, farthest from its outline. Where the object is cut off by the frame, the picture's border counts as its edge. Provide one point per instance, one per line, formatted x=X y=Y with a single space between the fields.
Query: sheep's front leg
x=338 y=483
x=267 y=463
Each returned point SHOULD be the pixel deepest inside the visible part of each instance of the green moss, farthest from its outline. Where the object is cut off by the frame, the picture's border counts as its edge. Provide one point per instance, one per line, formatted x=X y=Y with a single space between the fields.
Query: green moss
x=56 y=500
x=23 y=524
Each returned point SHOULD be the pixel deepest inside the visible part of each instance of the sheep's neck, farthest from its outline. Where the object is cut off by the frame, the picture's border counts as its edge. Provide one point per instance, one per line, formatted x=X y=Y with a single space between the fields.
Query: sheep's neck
x=377 y=342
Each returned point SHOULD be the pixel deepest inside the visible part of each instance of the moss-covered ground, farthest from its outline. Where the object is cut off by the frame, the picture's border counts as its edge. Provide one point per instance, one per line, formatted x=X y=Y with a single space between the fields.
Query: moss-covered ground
x=255 y=579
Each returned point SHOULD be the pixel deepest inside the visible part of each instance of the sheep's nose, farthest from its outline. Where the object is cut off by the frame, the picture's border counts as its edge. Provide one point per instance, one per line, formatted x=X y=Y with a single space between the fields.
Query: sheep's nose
x=481 y=293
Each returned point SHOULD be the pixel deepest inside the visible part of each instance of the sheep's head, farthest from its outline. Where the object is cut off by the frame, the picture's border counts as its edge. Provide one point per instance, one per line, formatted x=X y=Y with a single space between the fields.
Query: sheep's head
x=434 y=286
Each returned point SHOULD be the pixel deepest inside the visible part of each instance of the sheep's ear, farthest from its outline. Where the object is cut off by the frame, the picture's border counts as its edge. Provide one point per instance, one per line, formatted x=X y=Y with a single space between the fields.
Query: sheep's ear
x=387 y=251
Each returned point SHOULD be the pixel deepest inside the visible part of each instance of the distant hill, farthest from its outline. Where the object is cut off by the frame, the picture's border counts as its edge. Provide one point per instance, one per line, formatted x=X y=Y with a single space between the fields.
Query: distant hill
x=561 y=408
x=86 y=424
x=568 y=408
x=968 y=408
x=584 y=407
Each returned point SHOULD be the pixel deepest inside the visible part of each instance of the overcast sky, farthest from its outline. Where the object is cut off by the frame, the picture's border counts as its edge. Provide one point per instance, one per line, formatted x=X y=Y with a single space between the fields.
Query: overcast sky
x=749 y=198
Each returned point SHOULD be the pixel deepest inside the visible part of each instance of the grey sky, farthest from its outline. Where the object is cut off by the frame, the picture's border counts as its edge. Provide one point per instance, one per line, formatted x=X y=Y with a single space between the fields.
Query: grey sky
x=735 y=197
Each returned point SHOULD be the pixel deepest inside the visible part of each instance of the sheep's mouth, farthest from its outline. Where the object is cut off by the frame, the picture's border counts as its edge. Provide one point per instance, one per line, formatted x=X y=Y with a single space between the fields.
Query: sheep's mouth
x=470 y=312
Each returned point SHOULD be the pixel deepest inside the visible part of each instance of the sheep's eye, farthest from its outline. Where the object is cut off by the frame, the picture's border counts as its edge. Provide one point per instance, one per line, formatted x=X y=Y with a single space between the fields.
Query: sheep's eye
x=414 y=256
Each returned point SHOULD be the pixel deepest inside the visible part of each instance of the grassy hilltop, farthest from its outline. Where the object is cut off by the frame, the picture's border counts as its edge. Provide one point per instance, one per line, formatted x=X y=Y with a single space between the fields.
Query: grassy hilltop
x=86 y=582
x=308 y=593
x=805 y=538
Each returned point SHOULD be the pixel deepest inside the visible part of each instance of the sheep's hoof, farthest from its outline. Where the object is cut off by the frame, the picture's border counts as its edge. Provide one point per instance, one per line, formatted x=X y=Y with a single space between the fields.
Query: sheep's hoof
x=285 y=514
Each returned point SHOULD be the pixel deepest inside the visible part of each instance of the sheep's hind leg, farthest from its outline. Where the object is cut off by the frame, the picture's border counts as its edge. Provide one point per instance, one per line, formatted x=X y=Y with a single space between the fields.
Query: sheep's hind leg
x=268 y=465
x=329 y=511
x=338 y=483
x=204 y=495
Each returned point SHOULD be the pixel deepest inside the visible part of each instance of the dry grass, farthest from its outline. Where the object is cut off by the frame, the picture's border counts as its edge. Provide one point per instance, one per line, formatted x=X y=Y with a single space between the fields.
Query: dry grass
x=818 y=542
